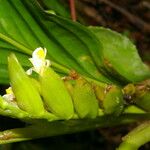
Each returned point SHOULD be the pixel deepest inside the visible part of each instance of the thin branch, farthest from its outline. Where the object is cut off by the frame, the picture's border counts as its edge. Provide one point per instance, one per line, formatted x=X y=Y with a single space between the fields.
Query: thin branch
x=72 y=10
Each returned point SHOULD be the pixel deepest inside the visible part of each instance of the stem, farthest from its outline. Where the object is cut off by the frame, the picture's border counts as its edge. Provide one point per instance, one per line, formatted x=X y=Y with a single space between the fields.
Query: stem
x=60 y=67
x=73 y=10
x=47 y=129
x=16 y=44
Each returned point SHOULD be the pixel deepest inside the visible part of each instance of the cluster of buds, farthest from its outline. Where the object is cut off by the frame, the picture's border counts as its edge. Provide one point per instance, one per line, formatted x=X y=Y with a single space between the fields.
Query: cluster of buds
x=49 y=96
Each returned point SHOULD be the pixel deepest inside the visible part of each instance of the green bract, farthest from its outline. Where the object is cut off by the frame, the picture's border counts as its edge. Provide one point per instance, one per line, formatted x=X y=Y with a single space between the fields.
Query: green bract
x=27 y=96
x=55 y=94
x=84 y=99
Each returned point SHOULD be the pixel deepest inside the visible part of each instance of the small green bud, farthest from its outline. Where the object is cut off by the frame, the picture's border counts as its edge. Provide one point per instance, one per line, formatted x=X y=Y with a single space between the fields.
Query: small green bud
x=113 y=102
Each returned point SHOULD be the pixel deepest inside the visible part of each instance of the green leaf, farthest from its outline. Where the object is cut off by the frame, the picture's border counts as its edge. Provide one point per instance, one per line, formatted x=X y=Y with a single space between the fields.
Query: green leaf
x=120 y=56
x=3 y=74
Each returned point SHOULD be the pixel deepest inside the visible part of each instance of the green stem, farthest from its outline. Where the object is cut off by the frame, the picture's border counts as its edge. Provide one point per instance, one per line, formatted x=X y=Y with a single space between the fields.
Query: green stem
x=46 y=129
x=16 y=44
x=60 y=67
x=136 y=138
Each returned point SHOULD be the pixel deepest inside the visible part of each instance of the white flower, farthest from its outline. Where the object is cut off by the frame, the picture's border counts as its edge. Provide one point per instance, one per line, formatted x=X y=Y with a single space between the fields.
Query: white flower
x=38 y=60
x=9 y=96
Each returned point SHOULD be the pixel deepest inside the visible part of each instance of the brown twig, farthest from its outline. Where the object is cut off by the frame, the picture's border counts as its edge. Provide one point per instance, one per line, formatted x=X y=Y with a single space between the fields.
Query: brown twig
x=73 y=10
x=139 y=23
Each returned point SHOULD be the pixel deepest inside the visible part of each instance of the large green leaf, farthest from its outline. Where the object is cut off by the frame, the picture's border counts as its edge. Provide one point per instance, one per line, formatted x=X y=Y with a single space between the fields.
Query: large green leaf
x=120 y=56
x=69 y=44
